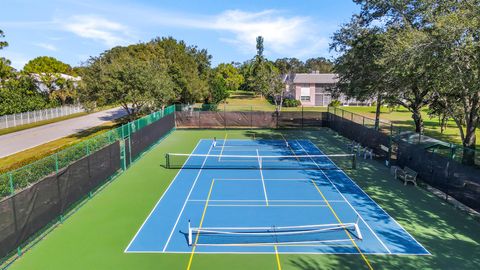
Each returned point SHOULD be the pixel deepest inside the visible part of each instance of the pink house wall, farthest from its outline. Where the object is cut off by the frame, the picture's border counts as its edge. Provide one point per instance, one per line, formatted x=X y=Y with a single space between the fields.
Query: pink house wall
x=298 y=92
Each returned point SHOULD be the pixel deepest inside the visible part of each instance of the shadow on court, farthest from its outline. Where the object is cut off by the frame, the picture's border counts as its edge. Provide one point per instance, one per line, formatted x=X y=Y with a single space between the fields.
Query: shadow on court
x=452 y=237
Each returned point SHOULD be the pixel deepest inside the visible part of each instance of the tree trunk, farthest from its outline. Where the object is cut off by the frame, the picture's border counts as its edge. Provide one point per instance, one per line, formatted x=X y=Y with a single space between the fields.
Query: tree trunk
x=418 y=120
x=377 y=112
x=469 y=144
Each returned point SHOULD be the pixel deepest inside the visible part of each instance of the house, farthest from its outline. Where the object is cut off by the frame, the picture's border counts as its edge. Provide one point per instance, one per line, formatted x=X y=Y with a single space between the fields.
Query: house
x=42 y=87
x=314 y=89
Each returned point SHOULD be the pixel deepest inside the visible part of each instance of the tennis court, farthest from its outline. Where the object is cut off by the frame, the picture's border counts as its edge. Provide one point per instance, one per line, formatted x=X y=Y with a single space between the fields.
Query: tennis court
x=268 y=196
x=96 y=236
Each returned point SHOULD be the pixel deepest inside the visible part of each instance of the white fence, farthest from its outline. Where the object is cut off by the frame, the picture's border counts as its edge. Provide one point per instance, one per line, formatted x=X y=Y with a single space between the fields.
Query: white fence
x=13 y=120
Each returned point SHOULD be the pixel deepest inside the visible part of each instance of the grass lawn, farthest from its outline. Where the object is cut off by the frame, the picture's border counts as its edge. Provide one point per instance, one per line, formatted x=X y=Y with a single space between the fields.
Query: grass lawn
x=95 y=237
x=246 y=101
x=403 y=118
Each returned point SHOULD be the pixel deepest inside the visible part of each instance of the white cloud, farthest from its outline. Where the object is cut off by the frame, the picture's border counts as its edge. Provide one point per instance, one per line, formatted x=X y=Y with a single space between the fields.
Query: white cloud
x=47 y=46
x=285 y=35
x=97 y=28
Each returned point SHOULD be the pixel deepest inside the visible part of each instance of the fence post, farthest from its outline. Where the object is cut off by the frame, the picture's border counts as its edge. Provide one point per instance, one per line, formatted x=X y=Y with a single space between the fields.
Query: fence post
x=225 y=114
x=129 y=145
x=10 y=180
x=251 y=117
x=302 y=117
x=123 y=156
x=56 y=162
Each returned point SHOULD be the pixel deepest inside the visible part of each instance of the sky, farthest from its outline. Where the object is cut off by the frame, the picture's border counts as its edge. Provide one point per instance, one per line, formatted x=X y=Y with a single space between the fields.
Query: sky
x=72 y=31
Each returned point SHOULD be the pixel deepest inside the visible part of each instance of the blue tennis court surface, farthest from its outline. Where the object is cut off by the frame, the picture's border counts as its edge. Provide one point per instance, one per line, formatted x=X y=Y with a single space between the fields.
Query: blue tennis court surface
x=293 y=209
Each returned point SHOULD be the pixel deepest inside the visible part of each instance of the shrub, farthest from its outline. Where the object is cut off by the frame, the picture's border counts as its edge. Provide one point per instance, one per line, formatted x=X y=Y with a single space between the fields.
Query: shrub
x=335 y=103
x=290 y=102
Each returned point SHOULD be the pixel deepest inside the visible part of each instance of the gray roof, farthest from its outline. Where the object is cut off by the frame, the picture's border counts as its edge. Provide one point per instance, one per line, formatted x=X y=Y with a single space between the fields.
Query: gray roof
x=327 y=78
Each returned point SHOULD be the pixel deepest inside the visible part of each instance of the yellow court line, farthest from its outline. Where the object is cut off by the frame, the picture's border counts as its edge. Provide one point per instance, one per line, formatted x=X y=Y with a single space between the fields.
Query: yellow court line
x=279 y=266
x=346 y=231
x=200 y=226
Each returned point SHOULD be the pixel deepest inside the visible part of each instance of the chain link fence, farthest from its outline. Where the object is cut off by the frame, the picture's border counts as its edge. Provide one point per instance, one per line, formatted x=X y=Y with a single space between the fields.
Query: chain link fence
x=18 y=119
x=37 y=196
x=439 y=164
x=241 y=117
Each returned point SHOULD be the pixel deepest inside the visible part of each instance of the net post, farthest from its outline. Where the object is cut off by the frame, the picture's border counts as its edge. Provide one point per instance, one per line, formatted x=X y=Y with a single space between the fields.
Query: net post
x=167 y=161
x=357 y=229
x=189 y=234
x=354 y=161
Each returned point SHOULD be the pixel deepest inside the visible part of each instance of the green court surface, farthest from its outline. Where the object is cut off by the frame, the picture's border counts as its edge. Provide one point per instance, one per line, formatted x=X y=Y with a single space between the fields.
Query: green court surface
x=96 y=236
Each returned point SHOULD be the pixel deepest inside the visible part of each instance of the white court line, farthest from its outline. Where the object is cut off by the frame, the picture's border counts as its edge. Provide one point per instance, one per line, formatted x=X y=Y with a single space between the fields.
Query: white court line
x=340 y=201
x=270 y=205
x=348 y=177
x=261 y=174
x=186 y=200
x=265 y=179
x=341 y=194
x=223 y=146
x=156 y=204
x=288 y=252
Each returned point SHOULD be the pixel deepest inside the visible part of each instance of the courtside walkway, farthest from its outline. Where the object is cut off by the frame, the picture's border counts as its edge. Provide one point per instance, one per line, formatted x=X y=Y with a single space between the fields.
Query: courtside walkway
x=22 y=140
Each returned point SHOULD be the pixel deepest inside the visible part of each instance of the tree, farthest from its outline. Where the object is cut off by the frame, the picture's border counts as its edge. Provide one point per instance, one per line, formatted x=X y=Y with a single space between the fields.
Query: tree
x=3 y=44
x=290 y=65
x=319 y=64
x=361 y=75
x=456 y=40
x=187 y=67
x=264 y=78
x=231 y=76
x=218 y=90
x=409 y=71
x=404 y=26
x=51 y=72
x=47 y=64
x=6 y=70
x=19 y=94
x=134 y=76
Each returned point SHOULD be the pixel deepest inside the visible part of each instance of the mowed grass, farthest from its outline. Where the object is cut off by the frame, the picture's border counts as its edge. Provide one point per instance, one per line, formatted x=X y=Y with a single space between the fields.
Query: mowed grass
x=247 y=101
x=402 y=118
x=96 y=236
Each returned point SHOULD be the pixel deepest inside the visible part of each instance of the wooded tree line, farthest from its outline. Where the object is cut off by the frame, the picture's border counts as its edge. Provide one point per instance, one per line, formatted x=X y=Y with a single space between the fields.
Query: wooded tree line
x=415 y=53
x=144 y=77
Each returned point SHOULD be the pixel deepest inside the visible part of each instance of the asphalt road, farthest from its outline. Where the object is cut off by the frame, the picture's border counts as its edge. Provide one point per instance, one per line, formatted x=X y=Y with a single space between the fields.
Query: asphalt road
x=22 y=140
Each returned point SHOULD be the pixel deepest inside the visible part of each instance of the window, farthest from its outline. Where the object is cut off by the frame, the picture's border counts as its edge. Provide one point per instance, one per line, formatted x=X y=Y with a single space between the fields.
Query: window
x=305 y=98
x=305 y=93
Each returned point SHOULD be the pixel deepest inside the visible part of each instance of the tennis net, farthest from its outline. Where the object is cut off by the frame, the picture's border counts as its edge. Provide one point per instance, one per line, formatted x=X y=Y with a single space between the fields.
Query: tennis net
x=257 y=162
x=330 y=234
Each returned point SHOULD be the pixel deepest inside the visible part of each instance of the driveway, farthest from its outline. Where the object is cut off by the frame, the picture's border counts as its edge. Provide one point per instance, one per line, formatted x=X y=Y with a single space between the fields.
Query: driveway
x=22 y=140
